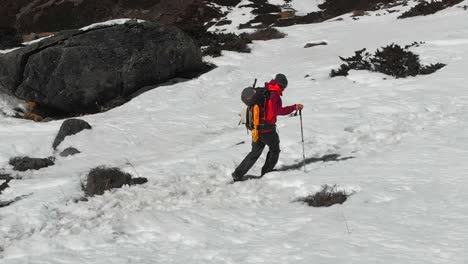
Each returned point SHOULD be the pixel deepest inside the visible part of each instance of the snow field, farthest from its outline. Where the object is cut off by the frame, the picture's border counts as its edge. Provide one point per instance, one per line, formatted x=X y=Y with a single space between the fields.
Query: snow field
x=408 y=137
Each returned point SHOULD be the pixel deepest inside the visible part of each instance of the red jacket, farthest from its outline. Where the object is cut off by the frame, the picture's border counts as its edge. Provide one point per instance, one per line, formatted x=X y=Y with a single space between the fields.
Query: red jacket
x=274 y=106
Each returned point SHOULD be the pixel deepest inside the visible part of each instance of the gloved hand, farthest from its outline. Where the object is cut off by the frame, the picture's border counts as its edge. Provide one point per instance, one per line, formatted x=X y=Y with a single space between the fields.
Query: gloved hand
x=299 y=107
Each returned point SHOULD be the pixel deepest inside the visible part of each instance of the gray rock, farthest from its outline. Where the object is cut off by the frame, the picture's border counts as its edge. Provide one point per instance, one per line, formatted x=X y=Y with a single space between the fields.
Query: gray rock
x=69 y=152
x=70 y=127
x=9 y=38
x=78 y=72
x=4 y=185
x=27 y=163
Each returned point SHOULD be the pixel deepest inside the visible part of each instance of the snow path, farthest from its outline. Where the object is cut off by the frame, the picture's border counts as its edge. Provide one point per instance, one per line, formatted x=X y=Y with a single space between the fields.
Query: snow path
x=408 y=137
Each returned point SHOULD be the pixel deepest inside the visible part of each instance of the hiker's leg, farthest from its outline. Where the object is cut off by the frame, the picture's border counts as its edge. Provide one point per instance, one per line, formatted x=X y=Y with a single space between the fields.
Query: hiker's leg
x=250 y=159
x=272 y=140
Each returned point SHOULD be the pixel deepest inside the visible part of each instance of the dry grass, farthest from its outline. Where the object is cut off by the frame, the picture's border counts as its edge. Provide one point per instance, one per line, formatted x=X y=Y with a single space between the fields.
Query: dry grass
x=328 y=196
x=101 y=179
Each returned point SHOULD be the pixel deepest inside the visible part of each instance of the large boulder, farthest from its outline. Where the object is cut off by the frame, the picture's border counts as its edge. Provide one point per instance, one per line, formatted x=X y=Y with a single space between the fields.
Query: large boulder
x=9 y=38
x=9 y=10
x=78 y=72
x=70 y=127
x=55 y=15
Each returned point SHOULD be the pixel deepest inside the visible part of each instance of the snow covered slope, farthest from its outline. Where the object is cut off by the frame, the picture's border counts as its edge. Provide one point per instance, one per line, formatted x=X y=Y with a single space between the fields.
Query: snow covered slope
x=408 y=137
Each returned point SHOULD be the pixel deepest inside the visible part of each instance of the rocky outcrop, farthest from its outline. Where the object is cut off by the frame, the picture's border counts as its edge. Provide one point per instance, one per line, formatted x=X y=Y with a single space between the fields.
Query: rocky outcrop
x=78 y=72
x=55 y=15
x=9 y=38
x=8 y=11
x=70 y=127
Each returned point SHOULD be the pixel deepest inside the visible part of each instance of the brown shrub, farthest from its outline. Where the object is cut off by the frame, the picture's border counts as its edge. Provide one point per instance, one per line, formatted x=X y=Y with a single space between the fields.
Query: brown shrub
x=265 y=34
x=357 y=13
x=391 y=60
x=428 y=8
x=101 y=179
x=328 y=196
x=287 y=14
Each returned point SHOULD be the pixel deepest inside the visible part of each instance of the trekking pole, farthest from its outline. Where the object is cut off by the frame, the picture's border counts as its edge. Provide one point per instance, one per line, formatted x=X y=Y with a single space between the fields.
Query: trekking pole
x=303 y=147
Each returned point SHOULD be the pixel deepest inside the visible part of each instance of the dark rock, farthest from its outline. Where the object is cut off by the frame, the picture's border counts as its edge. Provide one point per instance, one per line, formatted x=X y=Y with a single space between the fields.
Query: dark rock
x=139 y=180
x=314 y=17
x=270 y=15
x=69 y=152
x=16 y=199
x=101 y=179
x=263 y=21
x=223 y=22
x=56 y=15
x=261 y=7
x=310 y=45
x=230 y=3
x=27 y=163
x=7 y=178
x=334 y=8
x=70 y=127
x=9 y=38
x=266 y=9
x=214 y=43
x=80 y=72
x=9 y=10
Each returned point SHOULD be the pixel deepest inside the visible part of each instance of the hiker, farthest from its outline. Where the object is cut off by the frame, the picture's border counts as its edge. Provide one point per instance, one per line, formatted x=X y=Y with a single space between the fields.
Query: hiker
x=267 y=131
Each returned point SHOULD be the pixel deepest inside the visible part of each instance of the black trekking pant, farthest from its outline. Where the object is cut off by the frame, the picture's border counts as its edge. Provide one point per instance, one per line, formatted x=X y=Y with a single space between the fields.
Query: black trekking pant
x=271 y=139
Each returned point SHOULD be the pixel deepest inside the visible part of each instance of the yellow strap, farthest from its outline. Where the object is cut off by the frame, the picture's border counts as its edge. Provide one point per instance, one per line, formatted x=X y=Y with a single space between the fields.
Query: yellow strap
x=256 y=116
x=256 y=120
x=255 y=135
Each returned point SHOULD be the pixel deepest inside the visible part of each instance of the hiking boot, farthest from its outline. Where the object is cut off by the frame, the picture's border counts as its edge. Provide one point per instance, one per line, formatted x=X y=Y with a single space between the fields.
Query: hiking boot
x=235 y=177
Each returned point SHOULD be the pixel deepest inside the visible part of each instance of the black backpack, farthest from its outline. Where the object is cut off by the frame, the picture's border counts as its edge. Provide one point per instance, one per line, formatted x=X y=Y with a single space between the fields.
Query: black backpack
x=252 y=96
x=255 y=96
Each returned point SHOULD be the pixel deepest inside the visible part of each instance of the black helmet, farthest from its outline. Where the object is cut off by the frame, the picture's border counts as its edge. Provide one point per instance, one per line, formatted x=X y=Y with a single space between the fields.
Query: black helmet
x=282 y=80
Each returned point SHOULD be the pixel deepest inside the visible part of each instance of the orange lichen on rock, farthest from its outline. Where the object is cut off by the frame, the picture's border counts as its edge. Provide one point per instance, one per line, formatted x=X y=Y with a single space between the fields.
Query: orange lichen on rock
x=29 y=114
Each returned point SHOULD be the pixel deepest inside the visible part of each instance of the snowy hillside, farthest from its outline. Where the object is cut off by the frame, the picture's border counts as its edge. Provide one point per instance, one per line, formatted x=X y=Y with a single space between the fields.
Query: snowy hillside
x=408 y=136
